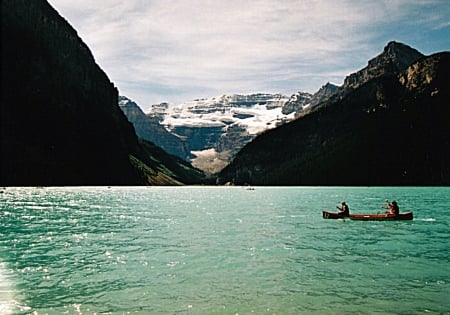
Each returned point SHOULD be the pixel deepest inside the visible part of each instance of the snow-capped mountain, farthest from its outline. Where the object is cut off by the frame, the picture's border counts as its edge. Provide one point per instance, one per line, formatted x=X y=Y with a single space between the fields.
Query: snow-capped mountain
x=255 y=112
x=211 y=131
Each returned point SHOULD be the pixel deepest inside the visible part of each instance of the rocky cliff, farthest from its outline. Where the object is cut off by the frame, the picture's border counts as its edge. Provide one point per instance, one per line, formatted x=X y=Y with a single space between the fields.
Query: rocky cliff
x=148 y=127
x=395 y=58
x=303 y=103
x=390 y=126
x=60 y=122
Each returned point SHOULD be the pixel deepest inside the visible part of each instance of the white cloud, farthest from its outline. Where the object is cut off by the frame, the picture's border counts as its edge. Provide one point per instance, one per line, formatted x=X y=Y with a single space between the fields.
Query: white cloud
x=177 y=50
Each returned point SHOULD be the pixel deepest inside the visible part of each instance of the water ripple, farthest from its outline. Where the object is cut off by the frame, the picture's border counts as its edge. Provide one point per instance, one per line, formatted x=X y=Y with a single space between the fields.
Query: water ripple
x=215 y=250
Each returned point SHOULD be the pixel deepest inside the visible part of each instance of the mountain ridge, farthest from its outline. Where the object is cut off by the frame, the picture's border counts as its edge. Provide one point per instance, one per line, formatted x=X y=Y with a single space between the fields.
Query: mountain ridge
x=148 y=128
x=395 y=58
x=392 y=128
x=60 y=121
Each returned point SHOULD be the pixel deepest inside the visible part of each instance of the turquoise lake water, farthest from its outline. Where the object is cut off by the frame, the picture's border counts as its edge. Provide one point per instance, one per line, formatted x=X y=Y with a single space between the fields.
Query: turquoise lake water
x=222 y=250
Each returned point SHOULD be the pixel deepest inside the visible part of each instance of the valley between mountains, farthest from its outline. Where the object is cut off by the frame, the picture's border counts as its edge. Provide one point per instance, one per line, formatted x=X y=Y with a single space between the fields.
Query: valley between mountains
x=64 y=123
x=210 y=132
x=388 y=124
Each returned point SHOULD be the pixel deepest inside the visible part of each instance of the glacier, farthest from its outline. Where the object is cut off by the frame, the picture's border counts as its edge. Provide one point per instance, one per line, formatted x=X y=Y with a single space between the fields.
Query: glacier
x=208 y=132
x=255 y=112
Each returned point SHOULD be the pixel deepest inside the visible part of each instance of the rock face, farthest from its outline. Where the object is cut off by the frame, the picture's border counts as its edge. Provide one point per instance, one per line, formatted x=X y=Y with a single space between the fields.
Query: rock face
x=324 y=93
x=297 y=102
x=388 y=125
x=148 y=128
x=60 y=122
x=395 y=58
x=303 y=103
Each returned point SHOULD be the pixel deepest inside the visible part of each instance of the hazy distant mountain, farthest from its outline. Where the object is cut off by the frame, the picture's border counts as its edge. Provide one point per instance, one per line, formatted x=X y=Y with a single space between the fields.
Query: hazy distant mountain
x=213 y=130
x=389 y=124
x=60 y=122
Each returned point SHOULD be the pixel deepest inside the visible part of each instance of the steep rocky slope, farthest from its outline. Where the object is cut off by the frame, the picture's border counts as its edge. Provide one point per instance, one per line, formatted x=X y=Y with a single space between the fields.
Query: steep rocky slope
x=60 y=122
x=388 y=125
x=148 y=127
x=303 y=103
x=395 y=58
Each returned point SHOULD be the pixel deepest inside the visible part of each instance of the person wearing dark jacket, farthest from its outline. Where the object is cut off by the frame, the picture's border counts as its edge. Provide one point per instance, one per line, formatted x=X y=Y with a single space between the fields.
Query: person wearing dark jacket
x=395 y=210
x=344 y=210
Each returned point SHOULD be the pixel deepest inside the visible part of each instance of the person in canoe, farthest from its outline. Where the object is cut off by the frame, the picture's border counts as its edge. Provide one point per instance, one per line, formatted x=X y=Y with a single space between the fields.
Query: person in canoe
x=344 y=210
x=393 y=206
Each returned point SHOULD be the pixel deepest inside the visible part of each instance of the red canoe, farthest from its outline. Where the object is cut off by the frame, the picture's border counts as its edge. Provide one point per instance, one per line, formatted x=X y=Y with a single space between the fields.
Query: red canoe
x=369 y=217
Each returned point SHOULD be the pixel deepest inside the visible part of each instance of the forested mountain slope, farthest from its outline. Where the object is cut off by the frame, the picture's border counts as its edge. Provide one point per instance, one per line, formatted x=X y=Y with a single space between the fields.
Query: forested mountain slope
x=392 y=127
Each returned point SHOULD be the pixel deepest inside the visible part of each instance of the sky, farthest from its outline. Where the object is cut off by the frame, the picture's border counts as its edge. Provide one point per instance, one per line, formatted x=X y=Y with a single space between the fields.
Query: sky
x=180 y=50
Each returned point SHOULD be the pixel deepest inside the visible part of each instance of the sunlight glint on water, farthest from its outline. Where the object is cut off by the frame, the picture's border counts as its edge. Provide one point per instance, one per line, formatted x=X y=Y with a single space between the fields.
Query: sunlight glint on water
x=218 y=250
x=6 y=291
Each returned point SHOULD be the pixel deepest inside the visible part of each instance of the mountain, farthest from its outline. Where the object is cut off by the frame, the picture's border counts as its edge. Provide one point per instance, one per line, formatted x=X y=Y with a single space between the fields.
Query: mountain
x=209 y=132
x=148 y=128
x=389 y=124
x=60 y=121
x=302 y=103
x=213 y=130
x=394 y=59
